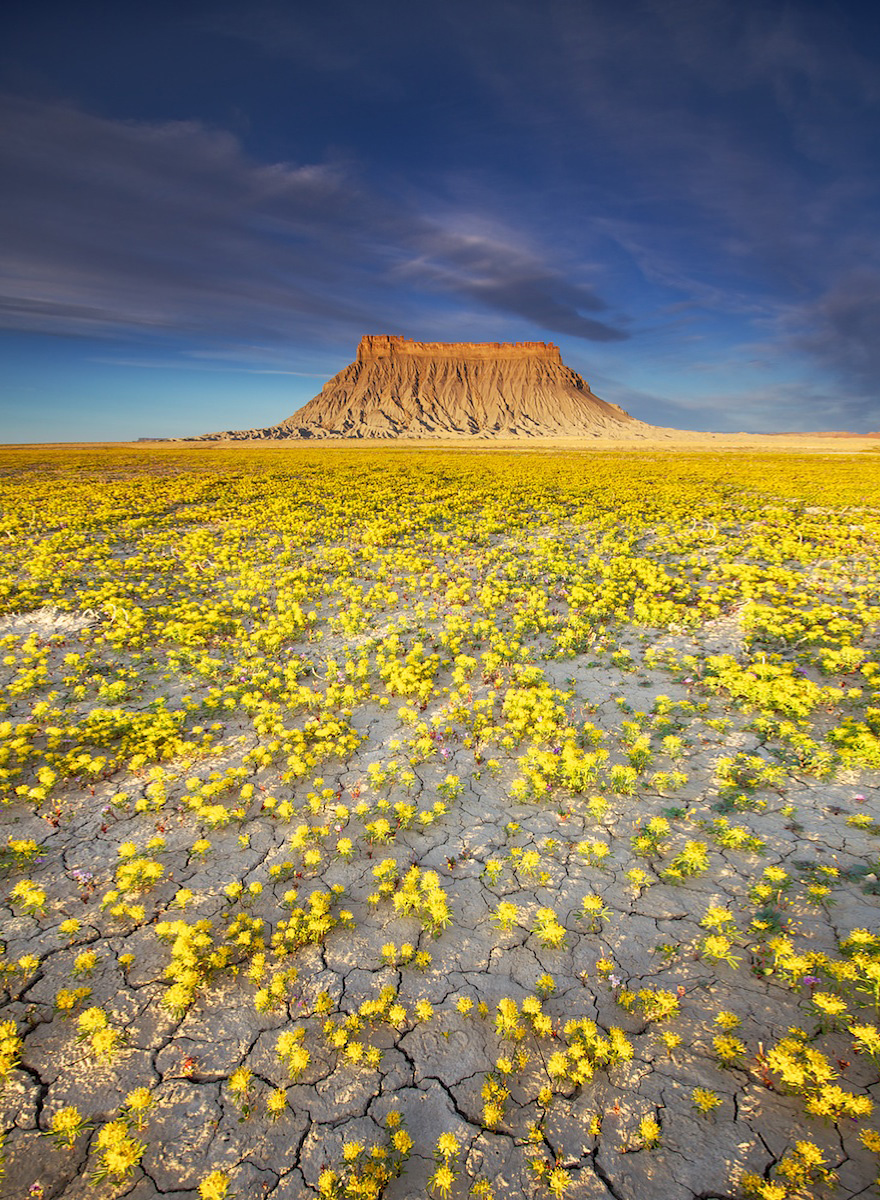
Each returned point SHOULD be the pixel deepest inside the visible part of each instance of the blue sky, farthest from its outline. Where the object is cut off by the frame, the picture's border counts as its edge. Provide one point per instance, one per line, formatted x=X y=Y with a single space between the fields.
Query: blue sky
x=206 y=205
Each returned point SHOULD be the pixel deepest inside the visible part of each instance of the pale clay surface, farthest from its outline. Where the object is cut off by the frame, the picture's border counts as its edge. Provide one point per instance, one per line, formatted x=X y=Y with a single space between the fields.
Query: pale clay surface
x=433 y=1071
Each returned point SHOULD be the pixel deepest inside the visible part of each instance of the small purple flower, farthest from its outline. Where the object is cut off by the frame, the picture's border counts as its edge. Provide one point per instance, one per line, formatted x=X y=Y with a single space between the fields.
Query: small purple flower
x=614 y=980
x=811 y=980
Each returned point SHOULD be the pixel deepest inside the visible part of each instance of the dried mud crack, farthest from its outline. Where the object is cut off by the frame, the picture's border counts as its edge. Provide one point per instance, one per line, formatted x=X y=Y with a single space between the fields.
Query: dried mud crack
x=440 y=823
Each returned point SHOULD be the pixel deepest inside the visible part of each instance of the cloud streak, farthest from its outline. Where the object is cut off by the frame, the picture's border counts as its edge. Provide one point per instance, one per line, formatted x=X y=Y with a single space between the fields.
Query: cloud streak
x=841 y=331
x=503 y=276
x=170 y=228
x=677 y=192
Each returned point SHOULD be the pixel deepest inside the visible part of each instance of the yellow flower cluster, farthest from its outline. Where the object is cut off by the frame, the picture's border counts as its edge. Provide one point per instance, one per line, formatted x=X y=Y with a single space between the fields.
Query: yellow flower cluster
x=232 y=621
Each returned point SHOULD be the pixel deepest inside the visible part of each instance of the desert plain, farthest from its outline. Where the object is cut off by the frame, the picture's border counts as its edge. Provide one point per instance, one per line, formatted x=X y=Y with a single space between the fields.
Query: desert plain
x=440 y=820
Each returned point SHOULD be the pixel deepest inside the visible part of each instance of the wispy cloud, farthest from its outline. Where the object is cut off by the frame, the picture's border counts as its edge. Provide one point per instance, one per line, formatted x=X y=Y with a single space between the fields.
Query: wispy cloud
x=682 y=187
x=774 y=408
x=841 y=330
x=501 y=275
x=182 y=364
x=116 y=226
x=742 y=145
x=111 y=226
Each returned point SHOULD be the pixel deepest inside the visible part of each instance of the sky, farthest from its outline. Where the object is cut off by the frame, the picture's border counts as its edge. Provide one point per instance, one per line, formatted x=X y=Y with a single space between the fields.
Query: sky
x=205 y=206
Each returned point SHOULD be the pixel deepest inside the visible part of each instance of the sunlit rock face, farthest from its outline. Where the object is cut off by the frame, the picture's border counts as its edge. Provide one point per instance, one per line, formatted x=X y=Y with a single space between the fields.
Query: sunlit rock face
x=401 y=388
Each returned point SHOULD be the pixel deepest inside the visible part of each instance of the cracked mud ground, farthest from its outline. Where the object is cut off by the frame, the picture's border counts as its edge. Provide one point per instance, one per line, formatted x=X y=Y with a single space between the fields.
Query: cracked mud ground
x=450 y=828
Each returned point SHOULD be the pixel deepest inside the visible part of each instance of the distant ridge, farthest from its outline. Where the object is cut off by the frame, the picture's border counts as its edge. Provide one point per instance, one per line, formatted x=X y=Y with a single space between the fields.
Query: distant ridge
x=402 y=388
x=826 y=433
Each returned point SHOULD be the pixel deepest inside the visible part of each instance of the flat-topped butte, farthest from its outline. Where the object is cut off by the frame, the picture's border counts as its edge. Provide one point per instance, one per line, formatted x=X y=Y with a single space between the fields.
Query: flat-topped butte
x=388 y=345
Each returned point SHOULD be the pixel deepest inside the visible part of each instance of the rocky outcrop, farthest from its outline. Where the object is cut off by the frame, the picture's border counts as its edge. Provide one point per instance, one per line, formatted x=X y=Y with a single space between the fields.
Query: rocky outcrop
x=387 y=345
x=401 y=388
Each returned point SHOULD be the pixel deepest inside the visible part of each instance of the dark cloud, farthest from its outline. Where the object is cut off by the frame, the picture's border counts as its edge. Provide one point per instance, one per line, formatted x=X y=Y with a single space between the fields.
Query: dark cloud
x=842 y=333
x=120 y=226
x=133 y=226
x=344 y=39
x=494 y=170
x=738 y=140
x=773 y=408
x=506 y=277
x=538 y=299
